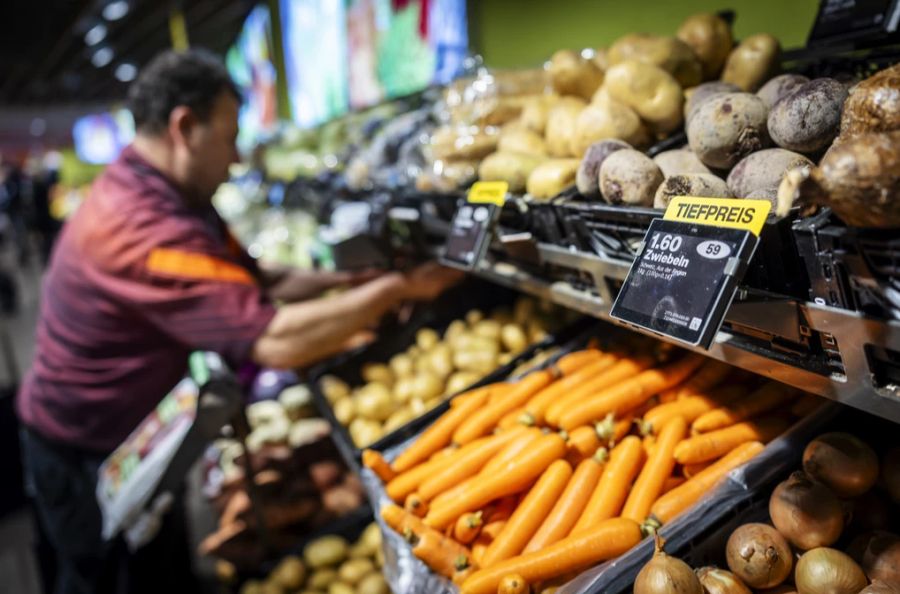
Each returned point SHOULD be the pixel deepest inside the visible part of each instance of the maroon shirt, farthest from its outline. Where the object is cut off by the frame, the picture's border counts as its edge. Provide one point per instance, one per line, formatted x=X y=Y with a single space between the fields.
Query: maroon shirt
x=138 y=280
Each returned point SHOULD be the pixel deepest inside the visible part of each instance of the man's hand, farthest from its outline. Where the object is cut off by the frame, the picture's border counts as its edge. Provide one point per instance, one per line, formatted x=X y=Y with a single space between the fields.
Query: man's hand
x=427 y=281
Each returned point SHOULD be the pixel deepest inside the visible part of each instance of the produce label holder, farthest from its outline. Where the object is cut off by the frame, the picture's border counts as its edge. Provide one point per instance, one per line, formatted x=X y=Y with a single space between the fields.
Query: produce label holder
x=472 y=225
x=688 y=267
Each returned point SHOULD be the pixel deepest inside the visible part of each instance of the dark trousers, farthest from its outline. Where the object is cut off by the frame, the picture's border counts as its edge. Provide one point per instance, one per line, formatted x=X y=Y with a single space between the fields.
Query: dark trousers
x=61 y=482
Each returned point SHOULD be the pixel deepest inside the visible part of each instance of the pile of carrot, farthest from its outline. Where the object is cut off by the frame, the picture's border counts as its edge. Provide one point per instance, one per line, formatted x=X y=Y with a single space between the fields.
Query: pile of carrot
x=570 y=465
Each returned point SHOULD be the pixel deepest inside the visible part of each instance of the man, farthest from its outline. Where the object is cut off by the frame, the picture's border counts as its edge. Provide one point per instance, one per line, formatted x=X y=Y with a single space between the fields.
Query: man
x=142 y=275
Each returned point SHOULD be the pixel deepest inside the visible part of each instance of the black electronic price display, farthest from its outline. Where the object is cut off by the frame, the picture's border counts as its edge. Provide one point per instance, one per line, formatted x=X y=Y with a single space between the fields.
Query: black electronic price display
x=470 y=234
x=684 y=279
x=842 y=21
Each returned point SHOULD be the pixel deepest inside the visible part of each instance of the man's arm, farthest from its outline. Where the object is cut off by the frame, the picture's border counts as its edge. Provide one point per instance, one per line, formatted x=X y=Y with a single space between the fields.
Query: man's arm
x=305 y=332
x=289 y=284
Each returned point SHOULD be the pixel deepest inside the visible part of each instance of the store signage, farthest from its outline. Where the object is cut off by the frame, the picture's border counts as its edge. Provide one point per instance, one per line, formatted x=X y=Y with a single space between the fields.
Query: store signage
x=473 y=223
x=849 y=20
x=688 y=267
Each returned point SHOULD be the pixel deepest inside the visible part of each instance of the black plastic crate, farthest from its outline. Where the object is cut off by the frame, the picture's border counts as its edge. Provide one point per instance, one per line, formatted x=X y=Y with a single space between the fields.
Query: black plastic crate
x=850 y=268
x=438 y=315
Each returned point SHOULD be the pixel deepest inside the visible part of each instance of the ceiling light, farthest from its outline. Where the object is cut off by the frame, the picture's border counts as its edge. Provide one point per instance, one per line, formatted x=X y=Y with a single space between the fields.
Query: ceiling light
x=102 y=57
x=115 y=10
x=126 y=72
x=95 y=34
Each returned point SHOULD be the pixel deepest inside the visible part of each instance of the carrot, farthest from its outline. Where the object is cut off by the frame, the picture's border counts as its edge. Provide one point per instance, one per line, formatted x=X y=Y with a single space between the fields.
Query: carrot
x=680 y=498
x=407 y=482
x=499 y=390
x=610 y=430
x=478 y=549
x=648 y=443
x=400 y=520
x=501 y=510
x=711 y=374
x=606 y=541
x=692 y=470
x=581 y=444
x=673 y=482
x=461 y=576
x=493 y=528
x=516 y=446
x=689 y=407
x=443 y=555
x=620 y=371
x=415 y=505
x=467 y=527
x=670 y=395
x=608 y=498
x=438 y=435
x=470 y=459
x=514 y=476
x=452 y=492
x=531 y=512
x=766 y=398
x=517 y=416
x=375 y=462
x=806 y=405
x=660 y=463
x=513 y=583
x=539 y=403
x=483 y=420
x=628 y=394
x=565 y=512
x=572 y=362
x=715 y=444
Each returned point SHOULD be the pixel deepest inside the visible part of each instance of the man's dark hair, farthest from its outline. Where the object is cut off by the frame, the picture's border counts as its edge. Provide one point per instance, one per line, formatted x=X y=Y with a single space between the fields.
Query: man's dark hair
x=194 y=78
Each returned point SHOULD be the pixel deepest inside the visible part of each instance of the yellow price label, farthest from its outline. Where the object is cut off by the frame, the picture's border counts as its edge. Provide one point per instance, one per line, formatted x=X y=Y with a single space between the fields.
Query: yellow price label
x=720 y=212
x=489 y=192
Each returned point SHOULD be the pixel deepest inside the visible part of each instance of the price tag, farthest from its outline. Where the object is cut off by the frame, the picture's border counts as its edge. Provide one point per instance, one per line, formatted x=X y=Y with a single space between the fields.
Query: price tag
x=684 y=277
x=849 y=20
x=470 y=230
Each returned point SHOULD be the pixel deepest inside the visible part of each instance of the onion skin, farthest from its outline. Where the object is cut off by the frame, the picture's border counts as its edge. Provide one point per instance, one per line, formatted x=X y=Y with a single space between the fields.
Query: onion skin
x=664 y=574
x=842 y=462
x=828 y=571
x=878 y=553
x=783 y=589
x=759 y=555
x=807 y=513
x=879 y=587
x=719 y=581
x=890 y=474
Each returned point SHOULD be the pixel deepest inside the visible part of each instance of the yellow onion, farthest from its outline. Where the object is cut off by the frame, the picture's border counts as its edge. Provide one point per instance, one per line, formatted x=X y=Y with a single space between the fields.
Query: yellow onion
x=828 y=571
x=879 y=587
x=720 y=581
x=843 y=462
x=759 y=555
x=664 y=574
x=878 y=553
x=807 y=513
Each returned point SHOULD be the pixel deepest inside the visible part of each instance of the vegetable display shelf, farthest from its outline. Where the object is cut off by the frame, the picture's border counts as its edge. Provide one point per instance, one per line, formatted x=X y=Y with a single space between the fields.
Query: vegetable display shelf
x=839 y=354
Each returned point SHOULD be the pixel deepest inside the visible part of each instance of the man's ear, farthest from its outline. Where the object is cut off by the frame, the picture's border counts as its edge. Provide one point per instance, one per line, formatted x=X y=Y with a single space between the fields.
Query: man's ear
x=181 y=124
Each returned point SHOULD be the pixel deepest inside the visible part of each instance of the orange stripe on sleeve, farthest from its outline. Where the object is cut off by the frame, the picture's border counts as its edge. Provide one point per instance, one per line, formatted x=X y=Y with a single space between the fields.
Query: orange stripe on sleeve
x=192 y=265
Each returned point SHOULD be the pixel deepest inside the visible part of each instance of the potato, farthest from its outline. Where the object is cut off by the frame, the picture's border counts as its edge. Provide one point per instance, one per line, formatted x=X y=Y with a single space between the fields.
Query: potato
x=461 y=380
x=426 y=338
x=353 y=570
x=601 y=58
x=874 y=104
x=451 y=143
x=669 y=53
x=401 y=366
x=523 y=309
x=398 y=419
x=649 y=90
x=225 y=571
x=340 y=588
x=709 y=36
x=608 y=119
x=455 y=329
x=587 y=178
x=371 y=538
x=252 y=587
x=571 y=74
x=404 y=389
x=502 y=314
x=487 y=329
x=629 y=177
x=473 y=316
x=690 y=184
x=373 y=584
x=536 y=331
x=780 y=86
x=440 y=360
x=365 y=431
x=760 y=173
x=753 y=62
x=561 y=124
x=290 y=573
x=726 y=128
x=697 y=95
x=375 y=401
x=808 y=119
x=321 y=579
x=551 y=177
x=513 y=338
x=481 y=362
x=513 y=168
x=679 y=162
x=428 y=386
x=522 y=141
x=344 y=410
x=417 y=407
x=378 y=372
x=265 y=412
x=325 y=551
x=534 y=114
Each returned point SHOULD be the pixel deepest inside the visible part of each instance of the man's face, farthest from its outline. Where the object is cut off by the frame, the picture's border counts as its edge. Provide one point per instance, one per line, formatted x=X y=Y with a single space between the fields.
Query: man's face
x=211 y=148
